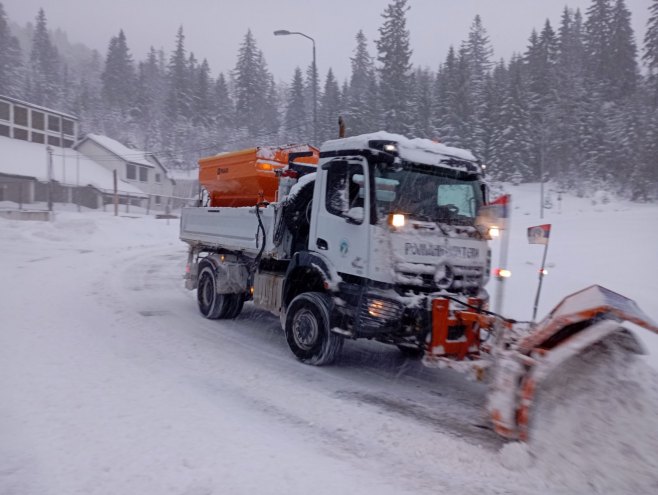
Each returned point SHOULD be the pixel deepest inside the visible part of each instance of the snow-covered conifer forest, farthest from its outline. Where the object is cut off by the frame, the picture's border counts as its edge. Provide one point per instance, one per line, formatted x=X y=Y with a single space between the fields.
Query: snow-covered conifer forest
x=578 y=105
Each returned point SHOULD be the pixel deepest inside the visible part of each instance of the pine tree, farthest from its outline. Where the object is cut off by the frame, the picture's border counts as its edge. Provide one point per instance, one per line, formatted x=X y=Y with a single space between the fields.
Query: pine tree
x=254 y=91
x=179 y=97
x=88 y=105
x=394 y=54
x=270 y=108
x=623 y=52
x=362 y=93
x=203 y=108
x=495 y=89
x=422 y=89
x=513 y=139
x=478 y=53
x=650 y=56
x=598 y=34
x=43 y=78
x=150 y=100
x=447 y=92
x=296 y=113
x=329 y=110
x=569 y=92
x=119 y=75
x=11 y=60
x=225 y=112
x=540 y=67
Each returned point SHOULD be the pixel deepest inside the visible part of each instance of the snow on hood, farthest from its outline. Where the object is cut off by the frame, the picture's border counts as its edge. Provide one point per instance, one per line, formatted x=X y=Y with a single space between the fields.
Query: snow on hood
x=414 y=150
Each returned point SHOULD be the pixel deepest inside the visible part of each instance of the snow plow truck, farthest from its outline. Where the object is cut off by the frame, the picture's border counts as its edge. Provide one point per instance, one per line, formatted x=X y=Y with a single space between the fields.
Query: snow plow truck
x=380 y=237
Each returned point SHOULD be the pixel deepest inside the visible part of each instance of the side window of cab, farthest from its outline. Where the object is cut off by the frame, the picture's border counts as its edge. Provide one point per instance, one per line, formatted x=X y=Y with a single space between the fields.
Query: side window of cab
x=344 y=196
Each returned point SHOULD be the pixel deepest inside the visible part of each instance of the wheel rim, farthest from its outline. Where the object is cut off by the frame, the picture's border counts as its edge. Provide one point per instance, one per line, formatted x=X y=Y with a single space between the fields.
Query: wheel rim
x=305 y=329
x=206 y=290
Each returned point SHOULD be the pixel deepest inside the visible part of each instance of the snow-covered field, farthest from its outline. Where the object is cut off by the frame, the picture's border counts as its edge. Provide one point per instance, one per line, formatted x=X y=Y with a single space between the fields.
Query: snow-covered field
x=111 y=382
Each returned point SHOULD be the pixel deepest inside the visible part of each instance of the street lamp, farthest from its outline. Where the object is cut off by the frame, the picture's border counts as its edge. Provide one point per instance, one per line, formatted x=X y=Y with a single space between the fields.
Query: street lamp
x=285 y=32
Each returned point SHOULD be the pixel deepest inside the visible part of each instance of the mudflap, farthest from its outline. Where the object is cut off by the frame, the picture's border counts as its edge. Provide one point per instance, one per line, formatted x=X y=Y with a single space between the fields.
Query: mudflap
x=522 y=366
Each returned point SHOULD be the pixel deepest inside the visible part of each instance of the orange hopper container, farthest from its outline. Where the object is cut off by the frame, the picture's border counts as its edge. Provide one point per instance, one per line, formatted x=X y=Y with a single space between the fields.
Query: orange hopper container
x=246 y=177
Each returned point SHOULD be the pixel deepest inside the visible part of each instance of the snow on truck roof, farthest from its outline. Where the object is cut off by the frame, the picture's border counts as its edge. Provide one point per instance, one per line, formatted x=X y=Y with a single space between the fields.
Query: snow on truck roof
x=414 y=150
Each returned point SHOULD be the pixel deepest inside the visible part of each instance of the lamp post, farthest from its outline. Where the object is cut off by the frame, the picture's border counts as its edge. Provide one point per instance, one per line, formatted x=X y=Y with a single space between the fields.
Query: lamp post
x=285 y=32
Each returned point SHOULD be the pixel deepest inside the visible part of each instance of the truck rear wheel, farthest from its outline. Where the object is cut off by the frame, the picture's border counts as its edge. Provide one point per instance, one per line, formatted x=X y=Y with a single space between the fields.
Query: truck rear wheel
x=308 y=329
x=234 y=305
x=213 y=305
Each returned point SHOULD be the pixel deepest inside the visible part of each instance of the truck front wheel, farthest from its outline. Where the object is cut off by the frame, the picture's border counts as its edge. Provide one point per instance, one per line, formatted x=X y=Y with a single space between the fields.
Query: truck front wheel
x=213 y=305
x=308 y=329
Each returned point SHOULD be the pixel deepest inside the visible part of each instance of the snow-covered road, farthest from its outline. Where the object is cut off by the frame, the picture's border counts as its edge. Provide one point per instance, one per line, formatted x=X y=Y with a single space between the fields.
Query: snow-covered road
x=111 y=382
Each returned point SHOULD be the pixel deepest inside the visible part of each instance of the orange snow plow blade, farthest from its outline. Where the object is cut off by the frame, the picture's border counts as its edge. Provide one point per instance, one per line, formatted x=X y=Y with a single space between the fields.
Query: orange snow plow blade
x=581 y=320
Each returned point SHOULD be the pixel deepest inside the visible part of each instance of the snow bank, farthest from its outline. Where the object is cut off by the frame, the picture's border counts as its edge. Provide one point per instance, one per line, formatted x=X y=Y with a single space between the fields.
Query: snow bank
x=595 y=428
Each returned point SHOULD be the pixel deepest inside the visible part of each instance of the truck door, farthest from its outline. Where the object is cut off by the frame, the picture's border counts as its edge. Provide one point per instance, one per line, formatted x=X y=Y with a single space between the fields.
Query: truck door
x=341 y=220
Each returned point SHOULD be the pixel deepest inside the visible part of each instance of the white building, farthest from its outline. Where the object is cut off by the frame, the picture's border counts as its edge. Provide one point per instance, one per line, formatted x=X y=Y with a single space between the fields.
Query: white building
x=138 y=168
x=27 y=122
x=29 y=173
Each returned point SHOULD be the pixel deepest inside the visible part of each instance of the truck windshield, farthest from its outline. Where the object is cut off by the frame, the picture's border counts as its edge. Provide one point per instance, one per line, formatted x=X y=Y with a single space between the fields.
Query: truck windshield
x=427 y=193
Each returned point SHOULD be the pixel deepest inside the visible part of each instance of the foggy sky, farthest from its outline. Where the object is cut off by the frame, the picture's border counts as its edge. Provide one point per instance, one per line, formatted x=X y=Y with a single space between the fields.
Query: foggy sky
x=214 y=29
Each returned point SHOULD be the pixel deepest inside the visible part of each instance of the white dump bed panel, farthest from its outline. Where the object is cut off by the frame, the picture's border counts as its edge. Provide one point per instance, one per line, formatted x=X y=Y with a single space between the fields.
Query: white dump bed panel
x=233 y=229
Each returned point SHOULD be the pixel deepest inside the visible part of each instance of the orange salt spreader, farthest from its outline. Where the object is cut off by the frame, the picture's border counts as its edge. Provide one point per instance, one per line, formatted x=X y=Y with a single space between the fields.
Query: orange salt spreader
x=247 y=177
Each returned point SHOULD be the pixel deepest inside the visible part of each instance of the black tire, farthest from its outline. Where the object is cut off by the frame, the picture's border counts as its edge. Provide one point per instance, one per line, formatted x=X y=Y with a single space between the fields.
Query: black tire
x=308 y=329
x=212 y=305
x=295 y=211
x=234 y=305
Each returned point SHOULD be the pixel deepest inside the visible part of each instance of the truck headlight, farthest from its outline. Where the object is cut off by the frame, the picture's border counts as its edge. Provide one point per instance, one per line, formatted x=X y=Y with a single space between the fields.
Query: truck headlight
x=396 y=220
x=378 y=311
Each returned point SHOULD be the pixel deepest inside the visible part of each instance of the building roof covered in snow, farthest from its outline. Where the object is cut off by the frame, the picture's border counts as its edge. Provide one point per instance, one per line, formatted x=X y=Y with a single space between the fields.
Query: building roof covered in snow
x=69 y=167
x=120 y=150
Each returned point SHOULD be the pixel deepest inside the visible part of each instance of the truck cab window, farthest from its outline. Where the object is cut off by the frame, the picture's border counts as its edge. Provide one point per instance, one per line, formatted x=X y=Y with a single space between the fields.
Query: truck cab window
x=345 y=193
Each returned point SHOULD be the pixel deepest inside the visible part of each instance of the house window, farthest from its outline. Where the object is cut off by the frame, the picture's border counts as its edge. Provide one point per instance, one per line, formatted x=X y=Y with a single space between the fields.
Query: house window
x=20 y=115
x=4 y=130
x=38 y=120
x=68 y=143
x=67 y=126
x=20 y=134
x=37 y=137
x=157 y=177
x=4 y=110
x=131 y=172
x=53 y=140
x=143 y=174
x=53 y=123
x=157 y=200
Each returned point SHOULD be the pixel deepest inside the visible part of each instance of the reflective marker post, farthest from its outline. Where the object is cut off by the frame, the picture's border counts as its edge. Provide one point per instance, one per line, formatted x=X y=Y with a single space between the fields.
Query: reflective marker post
x=539 y=235
x=504 y=249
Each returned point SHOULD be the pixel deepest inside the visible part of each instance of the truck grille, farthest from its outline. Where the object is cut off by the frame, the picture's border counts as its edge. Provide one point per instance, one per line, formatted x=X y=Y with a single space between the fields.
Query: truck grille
x=421 y=275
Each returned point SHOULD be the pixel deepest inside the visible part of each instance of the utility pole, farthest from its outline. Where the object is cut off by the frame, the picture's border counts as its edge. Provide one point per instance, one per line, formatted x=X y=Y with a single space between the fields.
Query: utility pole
x=49 y=190
x=116 y=194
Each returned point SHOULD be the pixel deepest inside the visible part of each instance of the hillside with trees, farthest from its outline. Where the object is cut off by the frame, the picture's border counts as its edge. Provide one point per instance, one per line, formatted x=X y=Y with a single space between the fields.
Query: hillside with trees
x=578 y=105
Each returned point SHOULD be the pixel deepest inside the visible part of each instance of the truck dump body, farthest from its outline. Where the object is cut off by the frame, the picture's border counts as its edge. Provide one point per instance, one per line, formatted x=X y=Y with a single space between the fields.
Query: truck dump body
x=230 y=229
x=247 y=177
